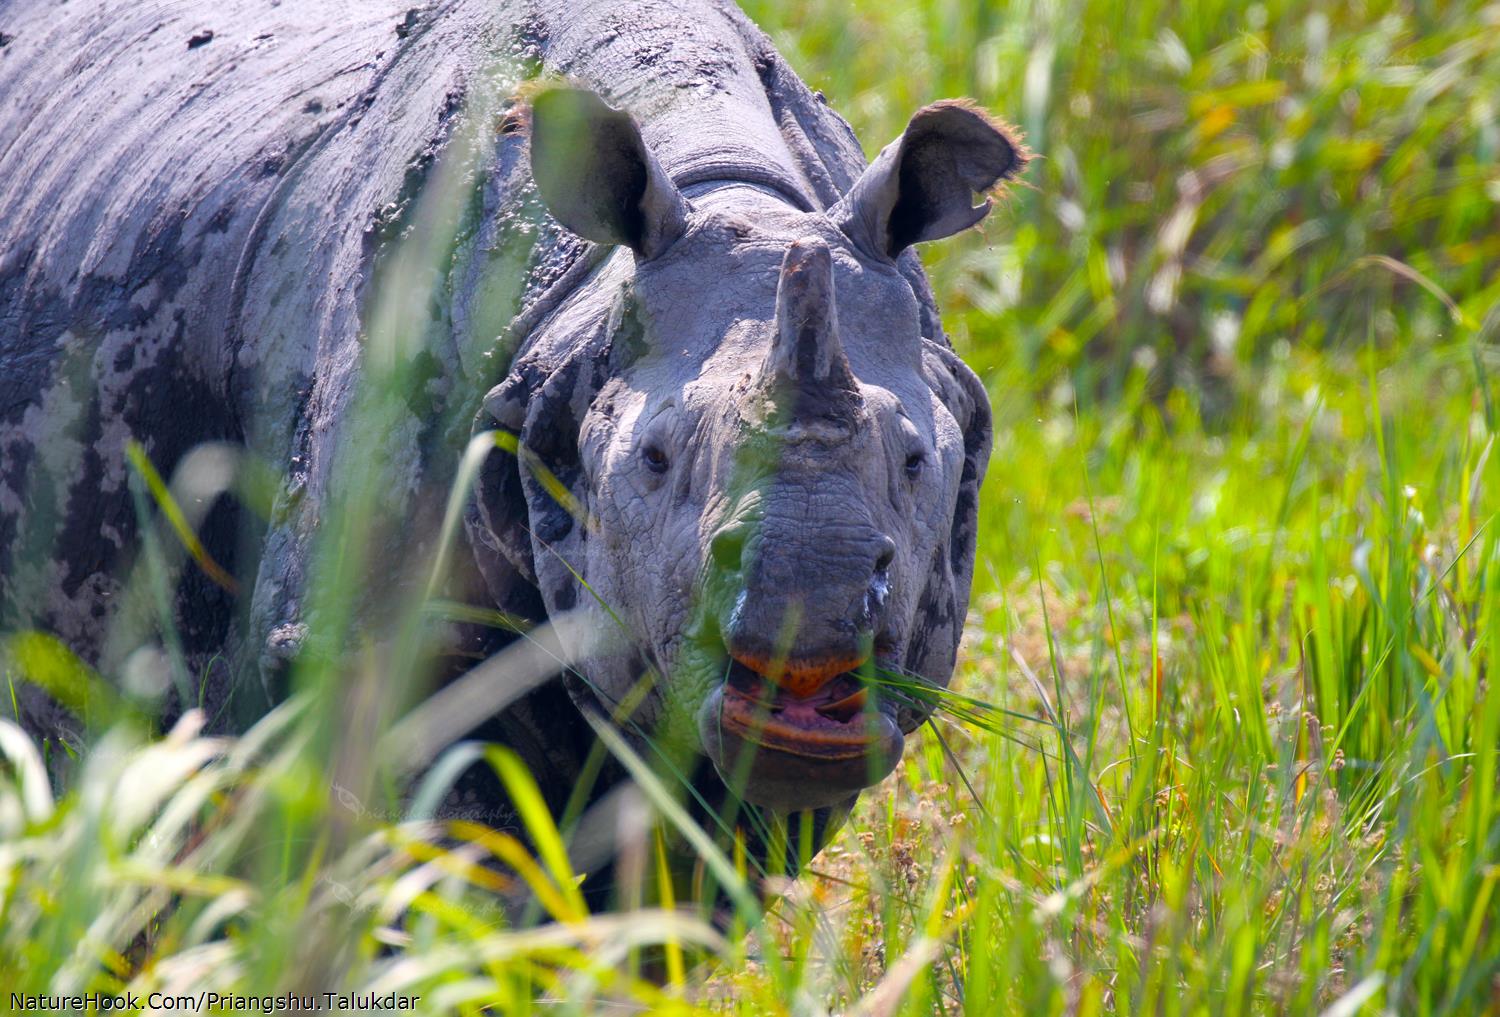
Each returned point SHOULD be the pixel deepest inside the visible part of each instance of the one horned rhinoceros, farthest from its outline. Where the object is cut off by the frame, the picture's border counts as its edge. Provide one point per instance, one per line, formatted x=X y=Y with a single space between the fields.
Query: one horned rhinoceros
x=723 y=348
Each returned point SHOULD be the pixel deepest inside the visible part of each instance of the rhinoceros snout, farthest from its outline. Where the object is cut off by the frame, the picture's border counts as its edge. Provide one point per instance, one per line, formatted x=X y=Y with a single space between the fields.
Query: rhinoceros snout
x=802 y=612
x=794 y=724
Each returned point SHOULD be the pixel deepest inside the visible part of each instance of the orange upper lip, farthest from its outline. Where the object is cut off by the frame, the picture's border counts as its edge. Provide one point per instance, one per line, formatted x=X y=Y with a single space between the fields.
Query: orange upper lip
x=801 y=676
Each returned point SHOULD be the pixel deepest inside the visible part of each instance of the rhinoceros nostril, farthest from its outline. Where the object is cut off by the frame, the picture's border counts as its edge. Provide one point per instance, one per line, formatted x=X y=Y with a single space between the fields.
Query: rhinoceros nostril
x=728 y=548
x=879 y=590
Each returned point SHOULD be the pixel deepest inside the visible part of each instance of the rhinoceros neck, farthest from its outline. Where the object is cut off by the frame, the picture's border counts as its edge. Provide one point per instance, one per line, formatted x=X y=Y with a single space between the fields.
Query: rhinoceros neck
x=714 y=99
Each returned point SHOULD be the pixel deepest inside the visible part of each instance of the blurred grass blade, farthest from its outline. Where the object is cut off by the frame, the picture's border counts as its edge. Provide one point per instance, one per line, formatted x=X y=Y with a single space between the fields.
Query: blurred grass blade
x=173 y=514
x=537 y=820
x=21 y=755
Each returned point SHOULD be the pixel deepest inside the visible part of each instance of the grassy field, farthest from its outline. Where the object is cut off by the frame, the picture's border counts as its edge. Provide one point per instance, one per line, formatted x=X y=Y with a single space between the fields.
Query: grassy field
x=1237 y=747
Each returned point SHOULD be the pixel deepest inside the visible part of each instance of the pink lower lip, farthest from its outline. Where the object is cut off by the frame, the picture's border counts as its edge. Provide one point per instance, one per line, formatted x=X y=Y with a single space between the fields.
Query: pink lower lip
x=788 y=754
x=802 y=727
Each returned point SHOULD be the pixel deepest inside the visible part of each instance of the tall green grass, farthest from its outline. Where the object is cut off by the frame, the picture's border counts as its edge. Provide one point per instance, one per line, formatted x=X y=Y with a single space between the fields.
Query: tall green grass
x=1225 y=734
x=1215 y=177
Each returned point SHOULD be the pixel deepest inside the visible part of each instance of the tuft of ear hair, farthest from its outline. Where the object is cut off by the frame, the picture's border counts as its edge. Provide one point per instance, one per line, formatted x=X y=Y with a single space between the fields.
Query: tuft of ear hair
x=597 y=176
x=921 y=186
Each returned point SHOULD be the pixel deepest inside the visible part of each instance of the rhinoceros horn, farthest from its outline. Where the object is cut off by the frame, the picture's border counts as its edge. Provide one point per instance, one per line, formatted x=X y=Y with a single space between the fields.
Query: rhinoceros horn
x=806 y=356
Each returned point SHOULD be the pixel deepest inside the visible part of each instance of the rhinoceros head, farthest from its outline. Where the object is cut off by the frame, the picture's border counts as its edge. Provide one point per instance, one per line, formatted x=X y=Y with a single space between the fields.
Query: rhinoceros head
x=774 y=473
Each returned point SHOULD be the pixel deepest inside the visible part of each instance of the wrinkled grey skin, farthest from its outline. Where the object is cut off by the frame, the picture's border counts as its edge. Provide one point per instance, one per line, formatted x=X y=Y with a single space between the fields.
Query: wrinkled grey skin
x=191 y=241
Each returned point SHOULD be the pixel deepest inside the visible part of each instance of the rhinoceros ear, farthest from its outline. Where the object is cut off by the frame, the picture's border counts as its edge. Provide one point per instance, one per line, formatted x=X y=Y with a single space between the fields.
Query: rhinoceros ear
x=921 y=186
x=597 y=176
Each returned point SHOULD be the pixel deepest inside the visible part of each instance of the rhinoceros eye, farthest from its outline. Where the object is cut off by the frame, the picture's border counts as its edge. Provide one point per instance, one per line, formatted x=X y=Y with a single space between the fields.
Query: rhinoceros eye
x=655 y=459
x=914 y=463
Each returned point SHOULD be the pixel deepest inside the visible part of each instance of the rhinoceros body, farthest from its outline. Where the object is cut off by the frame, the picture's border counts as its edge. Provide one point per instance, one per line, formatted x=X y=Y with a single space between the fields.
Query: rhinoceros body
x=703 y=318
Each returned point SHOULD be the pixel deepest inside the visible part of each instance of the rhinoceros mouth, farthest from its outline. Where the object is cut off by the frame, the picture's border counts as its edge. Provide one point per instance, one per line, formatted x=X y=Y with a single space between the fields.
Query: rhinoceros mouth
x=788 y=752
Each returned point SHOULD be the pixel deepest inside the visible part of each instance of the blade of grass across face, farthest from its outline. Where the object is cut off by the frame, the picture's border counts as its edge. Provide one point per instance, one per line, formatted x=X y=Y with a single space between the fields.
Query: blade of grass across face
x=452 y=610
x=458 y=707
x=622 y=714
x=479 y=447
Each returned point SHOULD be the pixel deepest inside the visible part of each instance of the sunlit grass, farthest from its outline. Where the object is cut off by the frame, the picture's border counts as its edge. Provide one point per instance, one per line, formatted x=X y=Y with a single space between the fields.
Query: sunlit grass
x=1269 y=812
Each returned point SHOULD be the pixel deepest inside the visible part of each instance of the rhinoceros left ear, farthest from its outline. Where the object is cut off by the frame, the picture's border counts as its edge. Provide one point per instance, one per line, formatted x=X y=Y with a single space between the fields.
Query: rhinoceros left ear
x=921 y=186
x=596 y=175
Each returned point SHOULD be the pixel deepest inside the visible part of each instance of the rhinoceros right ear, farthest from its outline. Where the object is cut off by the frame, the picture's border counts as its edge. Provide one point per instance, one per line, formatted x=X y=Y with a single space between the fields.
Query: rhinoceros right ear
x=921 y=186
x=597 y=176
